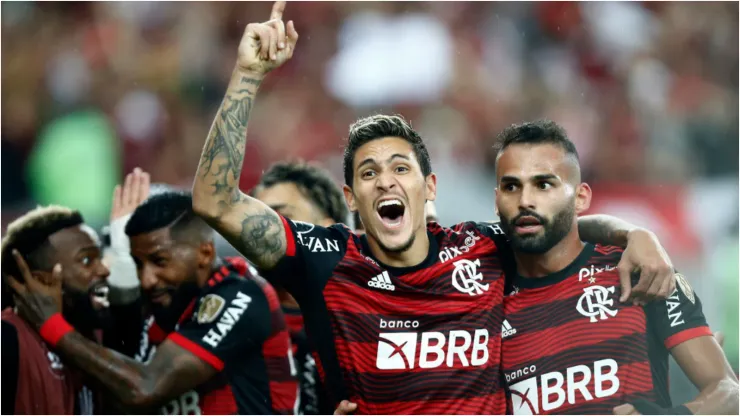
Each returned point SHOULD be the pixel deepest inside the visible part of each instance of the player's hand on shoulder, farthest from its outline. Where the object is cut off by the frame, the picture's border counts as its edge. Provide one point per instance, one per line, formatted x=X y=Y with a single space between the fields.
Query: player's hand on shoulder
x=131 y=194
x=346 y=407
x=265 y=46
x=645 y=255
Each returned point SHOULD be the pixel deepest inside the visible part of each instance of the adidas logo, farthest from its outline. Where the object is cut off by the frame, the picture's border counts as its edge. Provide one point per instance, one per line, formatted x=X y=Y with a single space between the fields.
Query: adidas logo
x=507 y=330
x=381 y=281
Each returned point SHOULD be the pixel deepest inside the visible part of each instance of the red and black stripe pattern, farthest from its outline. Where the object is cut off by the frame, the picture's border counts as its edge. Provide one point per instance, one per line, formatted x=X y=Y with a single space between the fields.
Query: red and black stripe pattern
x=421 y=340
x=570 y=346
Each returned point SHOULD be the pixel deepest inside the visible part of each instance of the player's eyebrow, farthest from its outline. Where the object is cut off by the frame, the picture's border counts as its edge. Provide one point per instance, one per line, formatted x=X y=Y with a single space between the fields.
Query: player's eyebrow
x=370 y=160
x=508 y=178
x=545 y=177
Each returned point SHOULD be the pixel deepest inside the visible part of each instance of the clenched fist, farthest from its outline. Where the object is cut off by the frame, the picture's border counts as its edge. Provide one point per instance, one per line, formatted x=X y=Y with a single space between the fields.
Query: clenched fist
x=266 y=46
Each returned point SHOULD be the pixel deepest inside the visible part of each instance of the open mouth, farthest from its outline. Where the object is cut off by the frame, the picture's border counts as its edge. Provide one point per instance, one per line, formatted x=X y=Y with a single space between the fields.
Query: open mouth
x=99 y=296
x=391 y=212
x=527 y=224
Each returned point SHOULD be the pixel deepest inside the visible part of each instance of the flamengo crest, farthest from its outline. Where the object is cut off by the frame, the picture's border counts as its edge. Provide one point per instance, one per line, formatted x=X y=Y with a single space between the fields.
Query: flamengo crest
x=595 y=303
x=467 y=279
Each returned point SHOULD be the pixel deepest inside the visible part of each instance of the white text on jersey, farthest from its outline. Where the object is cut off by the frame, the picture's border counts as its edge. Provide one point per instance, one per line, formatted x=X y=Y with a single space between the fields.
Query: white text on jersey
x=229 y=318
x=397 y=350
x=549 y=391
x=450 y=253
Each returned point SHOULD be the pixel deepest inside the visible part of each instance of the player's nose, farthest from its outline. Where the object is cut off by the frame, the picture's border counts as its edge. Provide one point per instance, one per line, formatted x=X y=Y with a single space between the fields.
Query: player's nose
x=102 y=271
x=385 y=181
x=148 y=280
x=527 y=198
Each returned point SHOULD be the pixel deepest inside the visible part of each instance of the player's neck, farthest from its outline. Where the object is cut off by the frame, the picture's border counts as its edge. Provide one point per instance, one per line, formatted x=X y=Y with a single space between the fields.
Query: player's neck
x=554 y=260
x=415 y=255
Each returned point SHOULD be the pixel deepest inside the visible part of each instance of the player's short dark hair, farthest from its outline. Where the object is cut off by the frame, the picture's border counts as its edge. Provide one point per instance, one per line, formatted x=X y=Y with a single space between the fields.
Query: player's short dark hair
x=535 y=132
x=30 y=234
x=171 y=209
x=379 y=126
x=315 y=183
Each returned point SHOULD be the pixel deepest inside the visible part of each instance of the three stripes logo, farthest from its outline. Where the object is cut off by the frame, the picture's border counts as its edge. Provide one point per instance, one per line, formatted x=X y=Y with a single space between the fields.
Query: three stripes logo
x=507 y=330
x=382 y=281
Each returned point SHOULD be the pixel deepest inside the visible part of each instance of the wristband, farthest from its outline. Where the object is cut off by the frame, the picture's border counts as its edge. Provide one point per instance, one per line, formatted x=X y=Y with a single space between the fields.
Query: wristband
x=649 y=408
x=54 y=329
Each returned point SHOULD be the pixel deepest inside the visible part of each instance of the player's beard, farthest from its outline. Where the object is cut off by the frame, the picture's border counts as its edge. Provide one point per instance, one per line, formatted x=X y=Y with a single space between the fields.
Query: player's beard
x=81 y=313
x=401 y=248
x=553 y=231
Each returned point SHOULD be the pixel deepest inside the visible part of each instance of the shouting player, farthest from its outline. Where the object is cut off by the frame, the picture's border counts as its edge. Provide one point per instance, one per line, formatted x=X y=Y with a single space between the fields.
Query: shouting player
x=407 y=318
x=303 y=192
x=55 y=240
x=229 y=336
x=569 y=346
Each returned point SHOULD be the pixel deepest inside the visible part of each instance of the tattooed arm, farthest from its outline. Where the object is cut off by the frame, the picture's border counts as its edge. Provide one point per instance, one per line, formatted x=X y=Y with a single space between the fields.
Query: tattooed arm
x=643 y=255
x=249 y=225
x=172 y=371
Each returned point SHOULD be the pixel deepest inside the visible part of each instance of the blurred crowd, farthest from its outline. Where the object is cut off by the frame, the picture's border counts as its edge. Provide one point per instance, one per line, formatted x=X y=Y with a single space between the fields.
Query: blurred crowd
x=648 y=91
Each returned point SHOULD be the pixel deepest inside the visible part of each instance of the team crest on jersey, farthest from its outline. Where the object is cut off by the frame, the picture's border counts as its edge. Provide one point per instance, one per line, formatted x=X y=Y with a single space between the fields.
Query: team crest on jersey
x=595 y=303
x=467 y=279
x=210 y=307
x=685 y=287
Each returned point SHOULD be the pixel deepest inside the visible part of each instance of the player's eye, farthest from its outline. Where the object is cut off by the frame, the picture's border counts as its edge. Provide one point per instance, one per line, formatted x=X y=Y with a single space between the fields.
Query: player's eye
x=509 y=187
x=368 y=174
x=544 y=186
x=86 y=260
x=160 y=262
x=402 y=169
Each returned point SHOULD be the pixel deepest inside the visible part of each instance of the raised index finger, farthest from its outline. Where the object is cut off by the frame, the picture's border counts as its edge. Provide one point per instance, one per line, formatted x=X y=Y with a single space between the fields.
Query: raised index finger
x=277 y=10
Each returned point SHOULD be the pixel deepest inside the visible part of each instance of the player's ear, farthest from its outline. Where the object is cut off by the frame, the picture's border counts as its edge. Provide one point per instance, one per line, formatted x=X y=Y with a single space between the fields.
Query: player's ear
x=495 y=198
x=583 y=198
x=431 y=184
x=206 y=254
x=349 y=197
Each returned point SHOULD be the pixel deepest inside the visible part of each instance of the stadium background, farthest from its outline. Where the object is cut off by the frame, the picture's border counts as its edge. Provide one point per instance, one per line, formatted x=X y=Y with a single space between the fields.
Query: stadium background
x=647 y=91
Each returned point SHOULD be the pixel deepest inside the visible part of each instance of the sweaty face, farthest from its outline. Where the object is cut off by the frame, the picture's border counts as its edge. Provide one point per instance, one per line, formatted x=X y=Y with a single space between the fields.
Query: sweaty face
x=288 y=200
x=389 y=191
x=84 y=277
x=536 y=197
x=163 y=265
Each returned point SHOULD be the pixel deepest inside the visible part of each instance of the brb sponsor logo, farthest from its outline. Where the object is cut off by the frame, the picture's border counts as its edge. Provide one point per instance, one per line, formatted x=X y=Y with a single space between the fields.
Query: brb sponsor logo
x=450 y=253
x=398 y=350
x=550 y=391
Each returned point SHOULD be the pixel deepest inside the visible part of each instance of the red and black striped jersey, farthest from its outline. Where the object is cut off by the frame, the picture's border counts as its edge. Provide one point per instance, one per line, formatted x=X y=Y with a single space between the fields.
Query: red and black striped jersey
x=237 y=326
x=417 y=340
x=570 y=346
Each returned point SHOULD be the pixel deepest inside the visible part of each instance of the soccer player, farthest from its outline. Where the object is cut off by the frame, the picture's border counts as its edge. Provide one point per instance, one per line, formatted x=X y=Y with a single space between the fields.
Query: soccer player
x=56 y=241
x=224 y=330
x=307 y=193
x=569 y=345
x=407 y=318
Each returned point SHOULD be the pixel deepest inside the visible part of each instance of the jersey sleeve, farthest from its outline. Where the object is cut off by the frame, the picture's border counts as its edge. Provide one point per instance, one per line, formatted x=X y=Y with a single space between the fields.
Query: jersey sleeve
x=679 y=318
x=230 y=320
x=312 y=252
